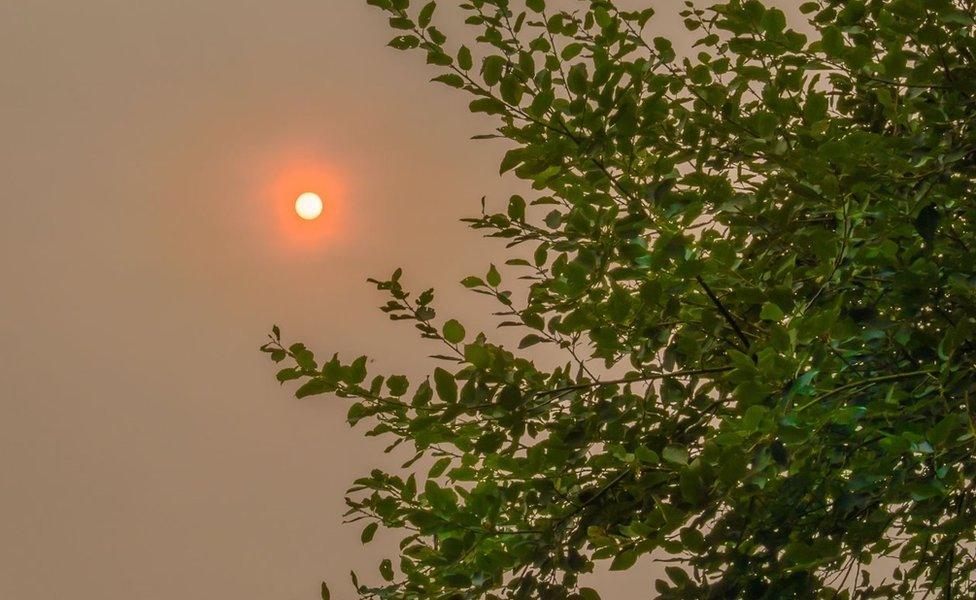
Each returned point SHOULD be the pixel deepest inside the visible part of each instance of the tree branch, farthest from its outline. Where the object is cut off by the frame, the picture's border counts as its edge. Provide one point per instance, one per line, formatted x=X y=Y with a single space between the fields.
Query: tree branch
x=725 y=312
x=648 y=377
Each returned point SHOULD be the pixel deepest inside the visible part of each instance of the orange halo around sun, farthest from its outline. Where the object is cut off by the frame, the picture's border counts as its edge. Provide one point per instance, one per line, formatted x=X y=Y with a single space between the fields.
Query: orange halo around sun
x=308 y=197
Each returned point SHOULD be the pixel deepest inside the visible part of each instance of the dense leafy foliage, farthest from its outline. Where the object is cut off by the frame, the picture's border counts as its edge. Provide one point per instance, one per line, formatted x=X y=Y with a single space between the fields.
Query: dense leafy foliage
x=759 y=262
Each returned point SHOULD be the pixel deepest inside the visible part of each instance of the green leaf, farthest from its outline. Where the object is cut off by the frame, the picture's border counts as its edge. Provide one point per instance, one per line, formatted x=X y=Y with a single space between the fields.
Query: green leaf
x=753 y=417
x=816 y=107
x=445 y=385
x=304 y=358
x=531 y=340
x=765 y=124
x=691 y=486
x=908 y=9
x=450 y=79
x=401 y=23
x=491 y=69
x=773 y=21
x=624 y=560
x=326 y=594
x=464 y=58
x=439 y=467
x=491 y=106
x=692 y=539
x=516 y=208
x=355 y=372
x=665 y=50
x=357 y=411
x=833 y=42
x=441 y=499
x=677 y=575
x=288 y=374
x=410 y=487
x=477 y=355
x=645 y=454
x=542 y=103
x=493 y=278
x=577 y=79
x=436 y=57
x=571 y=51
x=512 y=159
x=453 y=332
x=313 y=387
x=927 y=222
x=540 y=255
x=397 y=384
x=368 y=532
x=675 y=455
x=426 y=13
x=512 y=90
x=771 y=312
x=386 y=569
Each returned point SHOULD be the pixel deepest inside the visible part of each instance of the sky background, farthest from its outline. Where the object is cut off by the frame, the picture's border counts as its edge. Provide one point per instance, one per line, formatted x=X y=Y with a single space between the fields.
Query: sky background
x=151 y=154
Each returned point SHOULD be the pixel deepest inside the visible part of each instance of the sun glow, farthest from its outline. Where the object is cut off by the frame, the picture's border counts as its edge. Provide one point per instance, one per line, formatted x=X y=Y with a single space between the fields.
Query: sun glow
x=308 y=206
x=291 y=174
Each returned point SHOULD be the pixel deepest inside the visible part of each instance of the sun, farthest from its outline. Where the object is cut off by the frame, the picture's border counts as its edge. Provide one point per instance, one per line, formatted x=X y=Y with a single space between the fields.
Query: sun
x=308 y=206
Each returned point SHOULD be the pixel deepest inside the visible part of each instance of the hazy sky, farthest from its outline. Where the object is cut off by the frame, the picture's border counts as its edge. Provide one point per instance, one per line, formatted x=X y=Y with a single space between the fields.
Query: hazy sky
x=150 y=154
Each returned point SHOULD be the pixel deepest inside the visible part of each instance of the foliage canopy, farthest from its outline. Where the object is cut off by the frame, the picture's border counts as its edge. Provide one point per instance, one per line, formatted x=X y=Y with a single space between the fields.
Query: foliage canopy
x=759 y=261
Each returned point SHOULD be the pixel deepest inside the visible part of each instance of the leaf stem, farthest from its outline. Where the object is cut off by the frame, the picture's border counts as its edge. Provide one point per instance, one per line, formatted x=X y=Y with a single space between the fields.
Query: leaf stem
x=868 y=381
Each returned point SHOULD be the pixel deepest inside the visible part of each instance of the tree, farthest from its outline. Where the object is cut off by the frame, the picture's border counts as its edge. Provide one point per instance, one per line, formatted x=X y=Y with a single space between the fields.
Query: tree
x=759 y=262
